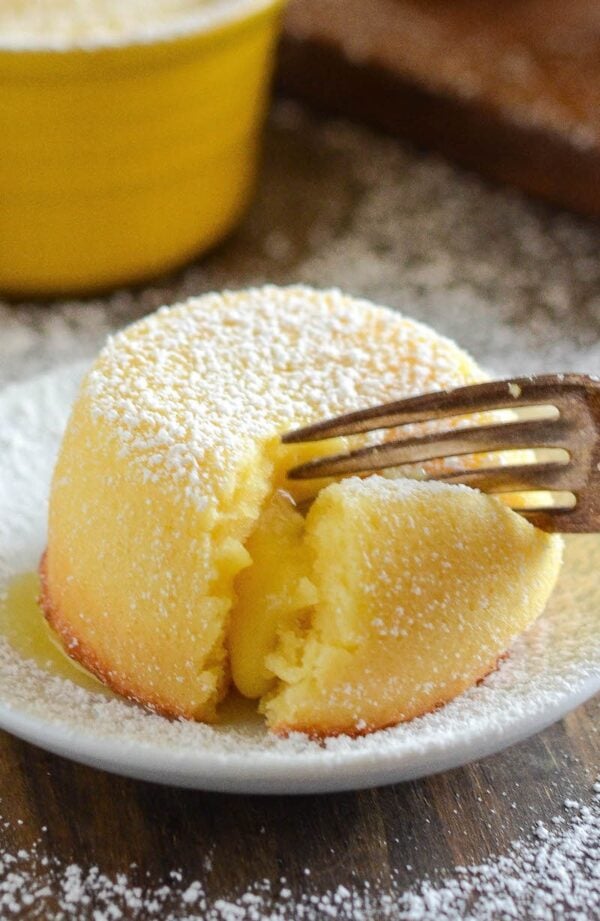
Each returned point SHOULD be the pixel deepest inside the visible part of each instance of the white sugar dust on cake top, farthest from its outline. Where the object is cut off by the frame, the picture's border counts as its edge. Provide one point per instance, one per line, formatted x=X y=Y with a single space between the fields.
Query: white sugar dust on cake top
x=173 y=565
x=187 y=390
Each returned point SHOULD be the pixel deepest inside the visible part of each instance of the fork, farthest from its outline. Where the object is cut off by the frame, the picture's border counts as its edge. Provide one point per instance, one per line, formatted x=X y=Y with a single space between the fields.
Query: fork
x=573 y=428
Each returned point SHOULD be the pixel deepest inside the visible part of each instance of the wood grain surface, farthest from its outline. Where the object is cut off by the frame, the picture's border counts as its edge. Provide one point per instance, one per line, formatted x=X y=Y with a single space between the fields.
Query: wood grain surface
x=513 y=92
x=412 y=829
x=516 y=283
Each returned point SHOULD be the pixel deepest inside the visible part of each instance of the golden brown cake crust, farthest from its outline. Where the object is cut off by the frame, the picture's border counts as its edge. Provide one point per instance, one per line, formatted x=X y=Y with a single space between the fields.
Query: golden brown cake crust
x=89 y=660
x=83 y=654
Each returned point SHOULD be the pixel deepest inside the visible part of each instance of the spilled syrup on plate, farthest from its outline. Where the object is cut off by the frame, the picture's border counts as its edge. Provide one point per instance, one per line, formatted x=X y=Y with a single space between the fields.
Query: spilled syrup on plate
x=24 y=626
x=26 y=629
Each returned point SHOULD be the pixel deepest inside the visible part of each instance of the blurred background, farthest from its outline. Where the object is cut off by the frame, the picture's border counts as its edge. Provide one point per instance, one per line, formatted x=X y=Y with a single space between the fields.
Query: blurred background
x=443 y=158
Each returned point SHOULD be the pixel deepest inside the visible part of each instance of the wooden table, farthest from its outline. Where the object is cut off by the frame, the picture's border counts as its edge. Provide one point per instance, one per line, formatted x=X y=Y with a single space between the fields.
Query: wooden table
x=517 y=283
x=458 y=817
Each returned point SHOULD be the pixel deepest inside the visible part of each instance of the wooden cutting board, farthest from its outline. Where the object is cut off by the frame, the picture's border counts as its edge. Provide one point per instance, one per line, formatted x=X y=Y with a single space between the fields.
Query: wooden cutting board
x=510 y=88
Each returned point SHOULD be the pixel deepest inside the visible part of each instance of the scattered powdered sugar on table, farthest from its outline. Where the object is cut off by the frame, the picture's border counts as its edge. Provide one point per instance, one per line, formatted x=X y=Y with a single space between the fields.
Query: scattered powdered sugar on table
x=552 y=873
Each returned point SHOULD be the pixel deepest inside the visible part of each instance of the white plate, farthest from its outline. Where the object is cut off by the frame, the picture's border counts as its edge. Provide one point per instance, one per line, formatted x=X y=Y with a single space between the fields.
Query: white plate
x=552 y=669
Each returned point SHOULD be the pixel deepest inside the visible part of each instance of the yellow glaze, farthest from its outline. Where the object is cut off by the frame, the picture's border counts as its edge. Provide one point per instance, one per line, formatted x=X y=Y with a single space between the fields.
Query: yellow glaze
x=120 y=162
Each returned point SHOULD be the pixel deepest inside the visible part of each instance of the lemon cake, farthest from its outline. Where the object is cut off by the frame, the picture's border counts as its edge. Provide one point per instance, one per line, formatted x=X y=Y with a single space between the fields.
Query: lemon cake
x=178 y=562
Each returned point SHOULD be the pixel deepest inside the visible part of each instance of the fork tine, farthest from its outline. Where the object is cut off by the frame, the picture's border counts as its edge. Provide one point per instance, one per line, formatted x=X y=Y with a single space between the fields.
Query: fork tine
x=552 y=519
x=506 y=394
x=456 y=442
x=551 y=475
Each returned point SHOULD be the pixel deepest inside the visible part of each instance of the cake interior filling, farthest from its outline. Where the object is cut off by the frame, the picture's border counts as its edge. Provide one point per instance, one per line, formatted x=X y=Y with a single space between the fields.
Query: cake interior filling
x=275 y=599
x=276 y=594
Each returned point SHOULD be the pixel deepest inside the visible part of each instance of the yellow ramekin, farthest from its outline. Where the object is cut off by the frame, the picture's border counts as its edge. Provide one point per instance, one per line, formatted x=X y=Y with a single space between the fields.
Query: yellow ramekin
x=118 y=162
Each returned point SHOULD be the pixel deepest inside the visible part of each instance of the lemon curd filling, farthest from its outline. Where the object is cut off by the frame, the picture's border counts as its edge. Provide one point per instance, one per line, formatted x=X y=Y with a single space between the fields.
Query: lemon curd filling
x=179 y=563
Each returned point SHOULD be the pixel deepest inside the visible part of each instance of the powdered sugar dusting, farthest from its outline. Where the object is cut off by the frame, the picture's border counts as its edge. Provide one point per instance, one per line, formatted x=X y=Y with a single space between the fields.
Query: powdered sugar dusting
x=553 y=667
x=552 y=873
x=189 y=389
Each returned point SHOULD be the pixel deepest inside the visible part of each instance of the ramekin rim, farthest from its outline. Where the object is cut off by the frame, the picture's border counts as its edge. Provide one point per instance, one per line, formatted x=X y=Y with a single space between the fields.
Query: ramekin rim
x=214 y=15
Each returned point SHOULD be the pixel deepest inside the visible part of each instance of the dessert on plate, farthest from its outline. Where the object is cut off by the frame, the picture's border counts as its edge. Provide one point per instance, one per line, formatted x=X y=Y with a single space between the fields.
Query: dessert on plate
x=179 y=563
